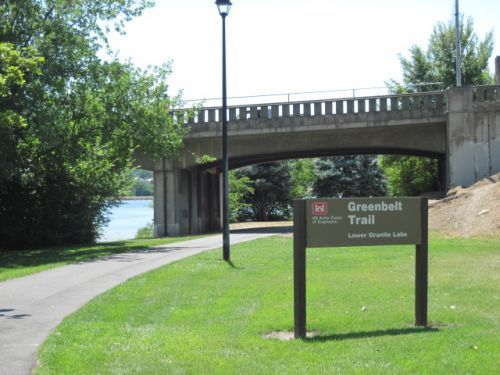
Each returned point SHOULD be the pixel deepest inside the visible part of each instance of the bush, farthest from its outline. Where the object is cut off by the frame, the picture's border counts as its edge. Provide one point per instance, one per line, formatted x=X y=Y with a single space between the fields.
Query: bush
x=145 y=232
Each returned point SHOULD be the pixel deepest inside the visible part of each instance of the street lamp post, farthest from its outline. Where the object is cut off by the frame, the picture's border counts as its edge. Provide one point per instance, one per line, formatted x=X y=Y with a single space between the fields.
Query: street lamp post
x=224 y=6
x=458 y=59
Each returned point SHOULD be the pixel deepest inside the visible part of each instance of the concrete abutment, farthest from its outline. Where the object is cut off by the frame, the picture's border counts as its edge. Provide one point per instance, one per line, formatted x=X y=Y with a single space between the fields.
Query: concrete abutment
x=185 y=201
x=473 y=134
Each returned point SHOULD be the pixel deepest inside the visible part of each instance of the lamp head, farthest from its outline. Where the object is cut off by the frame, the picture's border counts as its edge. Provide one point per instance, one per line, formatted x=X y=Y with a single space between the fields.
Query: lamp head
x=223 y=6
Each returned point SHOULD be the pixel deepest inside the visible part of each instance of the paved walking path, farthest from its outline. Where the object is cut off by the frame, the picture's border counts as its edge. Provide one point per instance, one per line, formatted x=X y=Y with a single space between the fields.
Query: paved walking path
x=31 y=306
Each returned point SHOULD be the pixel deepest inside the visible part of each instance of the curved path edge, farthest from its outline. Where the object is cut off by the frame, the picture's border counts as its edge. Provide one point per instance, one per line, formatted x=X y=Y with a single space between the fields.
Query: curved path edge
x=32 y=306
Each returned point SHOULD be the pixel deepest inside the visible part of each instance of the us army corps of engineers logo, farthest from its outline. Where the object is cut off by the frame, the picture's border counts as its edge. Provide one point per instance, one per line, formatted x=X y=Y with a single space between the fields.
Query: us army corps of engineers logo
x=321 y=215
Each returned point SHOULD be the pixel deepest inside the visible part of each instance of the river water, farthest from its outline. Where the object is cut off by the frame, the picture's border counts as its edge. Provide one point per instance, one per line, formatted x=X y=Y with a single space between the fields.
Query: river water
x=126 y=218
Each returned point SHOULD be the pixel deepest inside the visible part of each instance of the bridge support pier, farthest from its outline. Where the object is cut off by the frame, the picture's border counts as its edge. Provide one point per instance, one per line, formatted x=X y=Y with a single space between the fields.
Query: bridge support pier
x=460 y=137
x=473 y=137
x=186 y=202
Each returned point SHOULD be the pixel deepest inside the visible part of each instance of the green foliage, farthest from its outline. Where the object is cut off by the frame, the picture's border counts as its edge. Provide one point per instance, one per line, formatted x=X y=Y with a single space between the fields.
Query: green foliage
x=437 y=63
x=410 y=175
x=140 y=188
x=276 y=185
x=271 y=198
x=16 y=67
x=67 y=160
x=239 y=188
x=302 y=178
x=140 y=183
x=348 y=176
x=204 y=159
x=145 y=232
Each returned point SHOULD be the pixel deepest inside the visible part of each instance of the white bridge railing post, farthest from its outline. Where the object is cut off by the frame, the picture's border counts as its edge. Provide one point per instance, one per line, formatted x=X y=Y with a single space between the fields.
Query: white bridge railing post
x=412 y=102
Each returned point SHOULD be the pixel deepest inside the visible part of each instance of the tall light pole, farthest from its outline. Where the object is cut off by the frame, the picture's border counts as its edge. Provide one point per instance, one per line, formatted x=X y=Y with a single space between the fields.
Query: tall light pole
x=224 y=6
x=458 y=60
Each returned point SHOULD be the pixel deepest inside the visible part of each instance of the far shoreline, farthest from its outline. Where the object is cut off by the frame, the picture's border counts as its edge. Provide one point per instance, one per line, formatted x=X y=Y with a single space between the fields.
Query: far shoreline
x=137 y=198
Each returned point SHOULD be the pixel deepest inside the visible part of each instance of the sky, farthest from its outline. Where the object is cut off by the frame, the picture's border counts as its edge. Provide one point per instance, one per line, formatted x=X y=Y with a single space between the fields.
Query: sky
x=290 y=46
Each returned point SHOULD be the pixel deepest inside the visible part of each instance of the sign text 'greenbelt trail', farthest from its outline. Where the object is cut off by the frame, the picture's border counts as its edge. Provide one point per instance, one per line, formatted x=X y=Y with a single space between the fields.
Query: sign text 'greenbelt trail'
x=363 y=222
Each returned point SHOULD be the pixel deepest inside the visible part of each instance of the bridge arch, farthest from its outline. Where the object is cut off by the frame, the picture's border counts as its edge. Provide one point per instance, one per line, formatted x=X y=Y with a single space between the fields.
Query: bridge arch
x=235 y=163
x=239 y=162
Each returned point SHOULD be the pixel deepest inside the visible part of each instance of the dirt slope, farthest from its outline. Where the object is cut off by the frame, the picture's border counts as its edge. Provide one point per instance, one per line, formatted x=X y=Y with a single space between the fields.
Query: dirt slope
x=473 y=211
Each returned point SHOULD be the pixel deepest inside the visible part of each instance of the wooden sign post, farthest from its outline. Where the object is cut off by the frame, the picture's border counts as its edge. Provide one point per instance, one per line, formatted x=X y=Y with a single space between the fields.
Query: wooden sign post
x=359 y=222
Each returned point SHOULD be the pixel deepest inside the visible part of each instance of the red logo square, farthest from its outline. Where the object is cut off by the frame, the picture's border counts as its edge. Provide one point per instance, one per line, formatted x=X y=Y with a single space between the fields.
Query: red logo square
x=320 y=208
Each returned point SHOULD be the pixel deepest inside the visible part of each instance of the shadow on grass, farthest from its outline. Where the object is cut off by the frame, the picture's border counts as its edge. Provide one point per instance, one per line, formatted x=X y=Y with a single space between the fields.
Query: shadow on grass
x=370 y=334
x=64 y=254
x=232 y=265
x=283 y=229
x=16 y=259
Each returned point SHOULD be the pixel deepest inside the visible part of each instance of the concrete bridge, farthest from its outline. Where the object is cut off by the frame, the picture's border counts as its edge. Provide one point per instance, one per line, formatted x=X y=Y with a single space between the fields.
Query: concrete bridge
x=459 y=127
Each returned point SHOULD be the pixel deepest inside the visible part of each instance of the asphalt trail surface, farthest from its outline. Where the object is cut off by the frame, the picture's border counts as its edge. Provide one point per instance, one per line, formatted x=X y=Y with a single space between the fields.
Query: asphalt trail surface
x=32 y=306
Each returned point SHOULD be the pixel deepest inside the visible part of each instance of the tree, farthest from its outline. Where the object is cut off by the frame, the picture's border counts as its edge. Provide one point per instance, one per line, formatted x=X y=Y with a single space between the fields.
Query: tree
x=16 y=67
x=302 y=178
x=408 y=175
x=140 y=188
x=271 y=199
x=83 y=119
x=140 y=183
x=437 y=63
x=348 y=176
x=239 y=188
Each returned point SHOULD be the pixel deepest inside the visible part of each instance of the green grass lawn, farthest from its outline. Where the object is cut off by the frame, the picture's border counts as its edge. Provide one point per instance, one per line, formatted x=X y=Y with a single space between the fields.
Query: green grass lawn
x=26 y=262
x=203 y=316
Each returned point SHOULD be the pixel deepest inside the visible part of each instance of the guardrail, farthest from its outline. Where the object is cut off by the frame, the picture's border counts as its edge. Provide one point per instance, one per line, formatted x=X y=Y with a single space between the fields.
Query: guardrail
x=333 y=107
x=302 y=96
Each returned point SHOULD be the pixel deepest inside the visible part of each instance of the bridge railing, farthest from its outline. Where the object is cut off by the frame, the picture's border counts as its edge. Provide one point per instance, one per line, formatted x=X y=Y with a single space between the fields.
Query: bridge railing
x=486 y=93
x=429 y=101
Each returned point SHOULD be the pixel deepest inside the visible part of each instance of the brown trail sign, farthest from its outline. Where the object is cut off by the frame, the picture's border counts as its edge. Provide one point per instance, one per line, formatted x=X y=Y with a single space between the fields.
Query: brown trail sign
x=359 y=222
